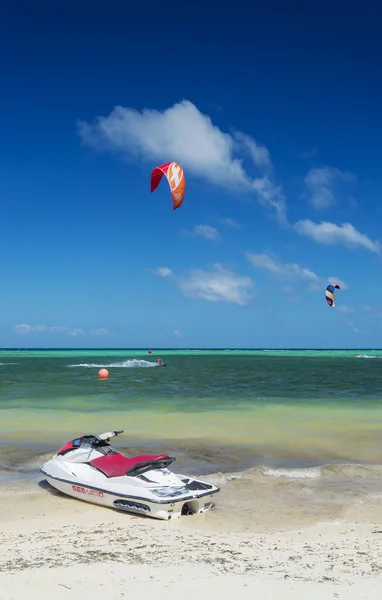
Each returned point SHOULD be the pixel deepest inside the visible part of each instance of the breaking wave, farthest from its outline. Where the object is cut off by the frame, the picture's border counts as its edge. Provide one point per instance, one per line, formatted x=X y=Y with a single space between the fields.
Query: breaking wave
x=222 y=478
x=127 y=364
x=308 y=473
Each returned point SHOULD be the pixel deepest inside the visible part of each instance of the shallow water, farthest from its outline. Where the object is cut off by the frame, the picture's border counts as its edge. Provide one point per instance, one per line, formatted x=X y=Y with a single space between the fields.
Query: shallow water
x=219 y=410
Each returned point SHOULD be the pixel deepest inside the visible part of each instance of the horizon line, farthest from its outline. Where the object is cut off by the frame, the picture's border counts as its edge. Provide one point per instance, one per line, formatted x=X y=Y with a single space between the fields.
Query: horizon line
x=146 y=349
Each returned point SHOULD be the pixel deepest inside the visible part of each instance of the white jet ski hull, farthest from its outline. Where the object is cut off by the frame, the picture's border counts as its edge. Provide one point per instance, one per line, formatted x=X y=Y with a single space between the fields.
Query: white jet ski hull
x=89 y=469
x=165 y=509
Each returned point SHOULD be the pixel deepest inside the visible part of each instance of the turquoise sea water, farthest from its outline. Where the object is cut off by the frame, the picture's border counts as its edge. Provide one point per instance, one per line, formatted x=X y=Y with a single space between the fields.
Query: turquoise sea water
x=242 y=407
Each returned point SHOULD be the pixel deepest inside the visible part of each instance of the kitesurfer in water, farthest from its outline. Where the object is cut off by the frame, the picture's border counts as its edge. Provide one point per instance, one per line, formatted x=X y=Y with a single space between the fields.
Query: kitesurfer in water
x=160 y=362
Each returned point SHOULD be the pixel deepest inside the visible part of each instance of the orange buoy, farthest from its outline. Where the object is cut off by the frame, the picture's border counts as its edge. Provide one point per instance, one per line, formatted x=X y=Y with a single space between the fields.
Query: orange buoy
x=103 y=373
x=149 y=352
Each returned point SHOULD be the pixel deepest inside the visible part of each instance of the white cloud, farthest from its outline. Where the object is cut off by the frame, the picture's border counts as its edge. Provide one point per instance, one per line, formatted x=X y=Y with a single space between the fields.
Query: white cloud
x=271 y=197
x=313 y=287
x=184 y=134
x=342 y=284
x=66 y=330
x=206 y=231
x=292 y=270
x=178 y=333
x=218 y=285
x=26 y=328
x=58 y=329
x=345 y=309
x=163 y=272
x=372 y=311
x=101 y=331
x=329 y=234
x=259 y=154
x=230 y=223
x=353 y=327
x=319 y=183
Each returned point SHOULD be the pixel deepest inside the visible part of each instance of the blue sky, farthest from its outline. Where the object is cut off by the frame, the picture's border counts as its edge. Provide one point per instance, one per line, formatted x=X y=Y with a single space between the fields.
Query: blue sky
x=273 y=112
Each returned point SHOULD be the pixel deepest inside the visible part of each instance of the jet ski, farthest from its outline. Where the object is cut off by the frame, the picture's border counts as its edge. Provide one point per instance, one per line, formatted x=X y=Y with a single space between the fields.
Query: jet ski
x=89 y=468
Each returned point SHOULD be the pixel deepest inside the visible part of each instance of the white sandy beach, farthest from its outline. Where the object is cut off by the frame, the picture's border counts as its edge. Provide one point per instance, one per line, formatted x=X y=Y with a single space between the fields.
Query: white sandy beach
x=56 y=546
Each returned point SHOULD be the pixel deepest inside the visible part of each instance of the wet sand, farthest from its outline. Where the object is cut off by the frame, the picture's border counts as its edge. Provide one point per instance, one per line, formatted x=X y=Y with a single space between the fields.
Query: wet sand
x=279 y=533
x=285 y=525
x=293 y=444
